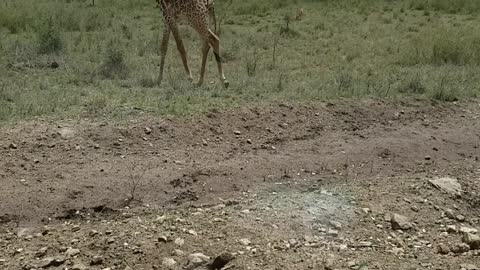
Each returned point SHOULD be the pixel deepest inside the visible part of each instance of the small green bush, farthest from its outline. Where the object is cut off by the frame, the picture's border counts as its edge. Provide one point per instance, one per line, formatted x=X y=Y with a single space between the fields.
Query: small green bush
x=49 y=39
x=114 y=65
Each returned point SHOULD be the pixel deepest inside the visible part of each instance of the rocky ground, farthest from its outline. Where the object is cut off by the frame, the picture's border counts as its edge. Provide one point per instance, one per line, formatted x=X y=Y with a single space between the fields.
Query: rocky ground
x=365 y=185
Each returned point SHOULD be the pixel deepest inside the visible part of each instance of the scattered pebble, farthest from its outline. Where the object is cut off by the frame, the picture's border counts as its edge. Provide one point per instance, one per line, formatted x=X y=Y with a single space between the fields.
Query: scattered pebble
x=400 y=222
x=96 y=260
x=179 y=242
x=169 y=263
x=245 y=241
x=472 y=240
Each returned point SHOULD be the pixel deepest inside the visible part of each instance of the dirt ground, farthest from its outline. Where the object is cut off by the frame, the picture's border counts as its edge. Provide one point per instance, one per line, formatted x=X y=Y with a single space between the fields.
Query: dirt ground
x=342 y=185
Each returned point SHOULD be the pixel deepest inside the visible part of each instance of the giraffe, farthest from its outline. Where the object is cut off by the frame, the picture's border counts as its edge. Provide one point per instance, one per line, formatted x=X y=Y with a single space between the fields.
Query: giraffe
x=196 y=13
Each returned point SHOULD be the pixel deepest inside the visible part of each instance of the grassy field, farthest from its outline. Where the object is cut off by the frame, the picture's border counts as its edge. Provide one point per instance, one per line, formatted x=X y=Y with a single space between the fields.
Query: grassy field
x=108 y=55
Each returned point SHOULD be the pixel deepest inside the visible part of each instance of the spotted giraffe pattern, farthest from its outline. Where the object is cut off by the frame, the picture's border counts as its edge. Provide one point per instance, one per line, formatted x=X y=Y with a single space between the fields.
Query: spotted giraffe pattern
x=196 y=13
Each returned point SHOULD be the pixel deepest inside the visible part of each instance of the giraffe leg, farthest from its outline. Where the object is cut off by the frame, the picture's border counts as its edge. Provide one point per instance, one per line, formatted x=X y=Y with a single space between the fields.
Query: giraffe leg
x=163 y=52
x=205 y=50
x=214 y=41
x=183 y=52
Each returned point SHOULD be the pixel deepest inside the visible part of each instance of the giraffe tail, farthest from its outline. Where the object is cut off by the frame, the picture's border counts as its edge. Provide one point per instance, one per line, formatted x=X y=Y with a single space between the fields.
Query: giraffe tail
x=211 y=10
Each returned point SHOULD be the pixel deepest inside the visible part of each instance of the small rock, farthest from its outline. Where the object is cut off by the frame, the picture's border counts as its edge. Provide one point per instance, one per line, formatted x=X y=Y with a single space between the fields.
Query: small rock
x=163 y=239
x=472 y=240
x=192 y=232
x=293 y=242
x=448 y=185
x=397 y=251
x=400 y=222
x=12 y=146
x=66 y=133
x=333 y=233
x=219 y=206
x=220 y=261
x=249 y=141
x=72 y=252
x=460 y=248
x=329 y=264
x=51 y=262
x=96 y=260
x=443 y=249
x=178 y=252
x=335 y=224
x=245 y=241
x=169 y=263
x=197 y=259
x=93 y=233
x=237 y=132
x=352 y=264
x=460 y=218
x=148 y=130
x=366 y=210
x=469 y=267
x=79 y=266
x=179 y=242
x=465 y=229
x=365 y=244
x=450 y=214
x=54 y=65
x=341 y=247
x=452 y=229
x=41 y=252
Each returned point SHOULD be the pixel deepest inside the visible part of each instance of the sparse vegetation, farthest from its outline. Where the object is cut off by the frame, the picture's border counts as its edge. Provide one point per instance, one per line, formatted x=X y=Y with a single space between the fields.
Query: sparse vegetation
x=114 y=65
x=49 y=39
x=108 y=54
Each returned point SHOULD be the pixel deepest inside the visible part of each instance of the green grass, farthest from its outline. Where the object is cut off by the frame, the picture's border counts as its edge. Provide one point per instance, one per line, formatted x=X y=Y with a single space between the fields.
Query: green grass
x=108 y=55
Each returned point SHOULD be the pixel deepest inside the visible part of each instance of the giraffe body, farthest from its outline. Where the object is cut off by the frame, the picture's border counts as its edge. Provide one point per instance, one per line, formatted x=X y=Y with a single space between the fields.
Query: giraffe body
x=196 y=13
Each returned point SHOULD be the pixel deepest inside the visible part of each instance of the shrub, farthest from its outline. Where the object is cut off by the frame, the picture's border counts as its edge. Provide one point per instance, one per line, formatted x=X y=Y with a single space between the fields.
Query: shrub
x=49 y=39
x=114 y=65
x=443 y=46
x=414 y=86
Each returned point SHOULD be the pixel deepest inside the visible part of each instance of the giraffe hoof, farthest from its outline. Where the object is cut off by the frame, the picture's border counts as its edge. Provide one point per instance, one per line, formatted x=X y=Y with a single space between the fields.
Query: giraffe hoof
x=226 y=83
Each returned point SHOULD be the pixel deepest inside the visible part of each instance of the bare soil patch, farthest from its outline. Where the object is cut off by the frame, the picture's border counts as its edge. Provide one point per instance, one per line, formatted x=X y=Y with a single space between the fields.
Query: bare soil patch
x=308 y=186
